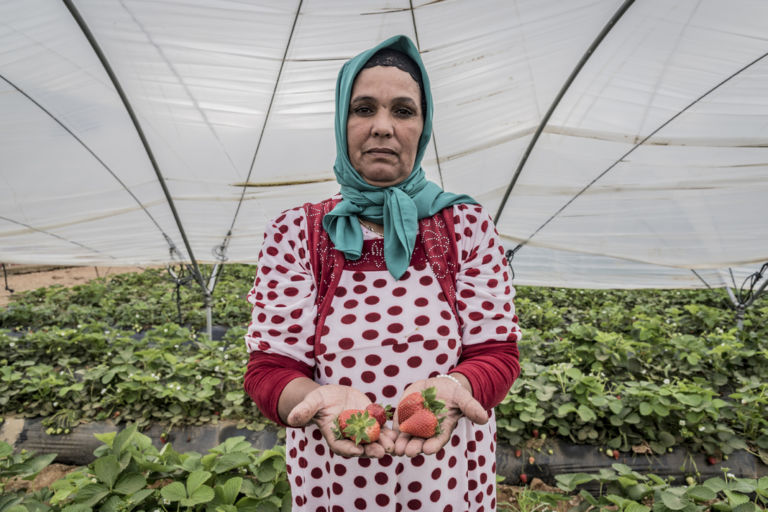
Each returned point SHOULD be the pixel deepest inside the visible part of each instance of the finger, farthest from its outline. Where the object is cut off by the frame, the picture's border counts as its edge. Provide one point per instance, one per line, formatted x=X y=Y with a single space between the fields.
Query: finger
x=387 y=440
x=346 y=448
x=375 y=450
x=434 y=444
x=401 y=443
x=414 y=446
x=472 y=409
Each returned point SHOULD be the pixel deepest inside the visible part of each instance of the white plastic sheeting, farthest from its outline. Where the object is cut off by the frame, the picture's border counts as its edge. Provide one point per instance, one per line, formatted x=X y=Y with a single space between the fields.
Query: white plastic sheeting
x=230 y=93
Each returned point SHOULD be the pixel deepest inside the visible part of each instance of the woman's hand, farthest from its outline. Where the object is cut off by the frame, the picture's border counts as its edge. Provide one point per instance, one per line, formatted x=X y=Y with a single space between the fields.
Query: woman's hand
x=458 y=402
x=324 y=404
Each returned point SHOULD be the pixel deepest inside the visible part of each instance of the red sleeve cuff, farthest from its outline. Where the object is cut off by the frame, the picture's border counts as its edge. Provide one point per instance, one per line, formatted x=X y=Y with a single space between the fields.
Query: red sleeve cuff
x=491 y=368
x=266 y=377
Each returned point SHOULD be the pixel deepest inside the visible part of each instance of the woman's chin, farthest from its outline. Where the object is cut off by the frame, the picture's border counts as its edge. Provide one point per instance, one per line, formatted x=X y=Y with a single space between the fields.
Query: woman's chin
x=383 y=177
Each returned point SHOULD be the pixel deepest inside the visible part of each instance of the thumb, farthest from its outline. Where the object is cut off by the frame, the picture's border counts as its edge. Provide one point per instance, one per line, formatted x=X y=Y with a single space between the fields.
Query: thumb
x=304 y=411
x=472 y=409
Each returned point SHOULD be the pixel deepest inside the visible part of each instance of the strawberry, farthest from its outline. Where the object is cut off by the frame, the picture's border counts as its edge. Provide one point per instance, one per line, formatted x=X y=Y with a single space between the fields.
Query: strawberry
x=358 y=426
x=417 y=401
x=523 y=478
x=535 y=432
x=711 y=460
x=422 y=423
x=518 y=453
x=616 y=454
x=379 y=413
x=531 y=460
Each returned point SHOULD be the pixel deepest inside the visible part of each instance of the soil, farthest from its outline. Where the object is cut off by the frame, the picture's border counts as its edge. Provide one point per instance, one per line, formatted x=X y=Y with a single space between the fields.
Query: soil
x=29 y=277
x=44 y=479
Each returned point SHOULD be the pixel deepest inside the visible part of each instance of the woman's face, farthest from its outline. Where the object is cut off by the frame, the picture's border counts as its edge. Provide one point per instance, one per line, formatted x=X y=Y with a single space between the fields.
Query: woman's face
x=384 y=125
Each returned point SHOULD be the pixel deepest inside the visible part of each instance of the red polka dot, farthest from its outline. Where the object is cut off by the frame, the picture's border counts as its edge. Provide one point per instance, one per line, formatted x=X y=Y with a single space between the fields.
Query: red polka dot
x=339 y=469
x=430 y=344
x=351 y=304
x=317 y=492
x=441 y=359
x=389 y=391
x=368 y=377
x=436 y=473
x=400 y=347
x=421 y=302
x=348 y=361
x=421 y=320
x=435 y=496
x=418 y=460
x=358 y=276
x=337 y=489
x=382 y=500
x=414 y=362
x=381 y=478
x=452 y=483
x=372 y=300
x=340 y=291
x=395 y=310
x=360 y=481
x=373 y=317
x=370 y=334
x=487 y=305
x=443 y=330
x=360 y=289
x=395 y=328
x=466 y=294
x=380 y=283
x=372 y=359
x=346 y=343
x=426 y=280
x=414 y=504
x=391 y=370
x=345 y=381
x=399 y=291
x=320 y=450
x=414 y=486
x=348 y=319
x=364 y=462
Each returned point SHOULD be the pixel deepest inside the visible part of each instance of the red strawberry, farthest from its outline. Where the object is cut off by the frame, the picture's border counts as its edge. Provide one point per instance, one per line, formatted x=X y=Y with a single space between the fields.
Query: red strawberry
x=535 y=432
x=358 y=426
x=380 y=414
x=616 y=454
x=711 y=460
x=417 y=401
x=531 y=460
x=518 y=453
x=422 y=423
x=524 y=478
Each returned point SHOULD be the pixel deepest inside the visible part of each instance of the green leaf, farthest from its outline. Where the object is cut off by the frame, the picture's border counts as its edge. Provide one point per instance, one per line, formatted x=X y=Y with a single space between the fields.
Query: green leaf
x=195 y=480
x=36 y=464
x=130 y=483
x=735 y=498
x=5 y=449
x=666 y=439
x=569 y=481
x=586 y=414
x=107 y=438
x=228 y=491
x=91 y=494
x=174 y=492
x=673 y=501
x=122 y=439
x=636 y=507
x=715 y=483
x=202 y=494
x=660 y=410
x=231 y=461
x=701 y=493
x=564 y=409
x=107 y=469
x=646 y=409
x=745 y=507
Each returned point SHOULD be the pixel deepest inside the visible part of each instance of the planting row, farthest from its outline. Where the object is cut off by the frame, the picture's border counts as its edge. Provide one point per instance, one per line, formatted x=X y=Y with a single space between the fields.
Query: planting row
x=130 y=473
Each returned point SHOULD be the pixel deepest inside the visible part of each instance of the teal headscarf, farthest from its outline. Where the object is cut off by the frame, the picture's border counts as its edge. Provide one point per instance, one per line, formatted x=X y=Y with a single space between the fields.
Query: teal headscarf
x=398 y=207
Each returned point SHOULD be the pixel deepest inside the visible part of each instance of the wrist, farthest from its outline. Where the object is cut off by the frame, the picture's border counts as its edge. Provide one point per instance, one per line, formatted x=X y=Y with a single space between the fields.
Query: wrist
x=459 y=379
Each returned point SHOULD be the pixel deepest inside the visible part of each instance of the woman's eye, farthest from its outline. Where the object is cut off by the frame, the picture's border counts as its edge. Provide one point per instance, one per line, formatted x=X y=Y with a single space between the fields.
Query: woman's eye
x=362 y=110
x=404 y=112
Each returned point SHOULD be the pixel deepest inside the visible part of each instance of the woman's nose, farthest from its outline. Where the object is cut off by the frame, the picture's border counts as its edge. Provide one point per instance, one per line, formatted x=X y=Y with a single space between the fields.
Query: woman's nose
x=382 y=125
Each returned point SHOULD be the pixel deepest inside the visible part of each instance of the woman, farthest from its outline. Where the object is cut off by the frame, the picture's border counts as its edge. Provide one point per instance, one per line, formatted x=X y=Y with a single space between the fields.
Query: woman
x=394 y=287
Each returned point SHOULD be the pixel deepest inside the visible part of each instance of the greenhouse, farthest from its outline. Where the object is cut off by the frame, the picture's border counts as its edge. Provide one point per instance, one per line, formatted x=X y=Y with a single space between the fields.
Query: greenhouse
x=620 y=147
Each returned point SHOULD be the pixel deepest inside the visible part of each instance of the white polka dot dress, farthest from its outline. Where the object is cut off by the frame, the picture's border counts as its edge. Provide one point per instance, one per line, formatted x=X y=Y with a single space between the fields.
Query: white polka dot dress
x=379 y=336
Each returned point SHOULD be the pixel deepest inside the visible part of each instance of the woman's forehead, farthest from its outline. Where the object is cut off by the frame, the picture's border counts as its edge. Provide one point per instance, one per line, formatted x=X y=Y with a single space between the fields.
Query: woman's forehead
x=385 y=81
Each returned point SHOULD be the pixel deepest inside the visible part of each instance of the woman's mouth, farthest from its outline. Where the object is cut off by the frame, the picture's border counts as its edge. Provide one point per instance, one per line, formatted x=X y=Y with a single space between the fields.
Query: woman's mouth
x=381 y=151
